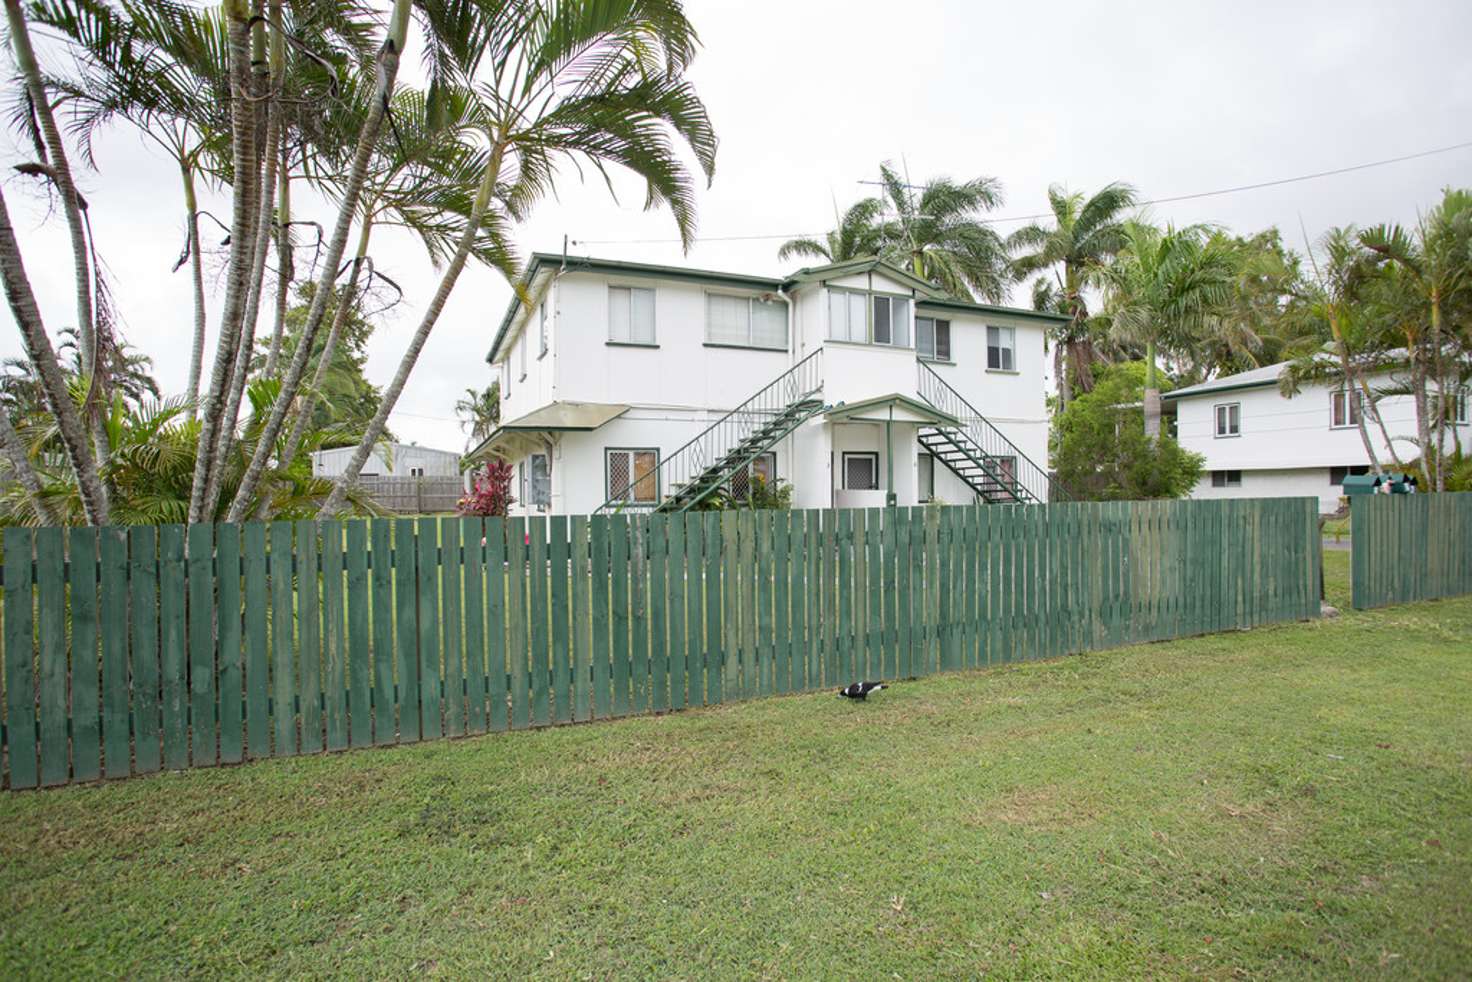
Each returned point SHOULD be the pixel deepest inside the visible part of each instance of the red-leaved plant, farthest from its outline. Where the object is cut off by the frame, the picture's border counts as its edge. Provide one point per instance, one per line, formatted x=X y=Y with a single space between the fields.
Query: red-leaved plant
x=490 y=492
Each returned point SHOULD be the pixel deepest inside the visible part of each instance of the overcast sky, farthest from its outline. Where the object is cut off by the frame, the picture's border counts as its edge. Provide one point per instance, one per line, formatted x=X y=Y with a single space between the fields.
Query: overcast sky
x=809 y=97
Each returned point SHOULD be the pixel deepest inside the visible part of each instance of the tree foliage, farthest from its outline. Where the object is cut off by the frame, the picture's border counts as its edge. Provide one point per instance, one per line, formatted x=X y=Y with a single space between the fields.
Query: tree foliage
x=1101 y=450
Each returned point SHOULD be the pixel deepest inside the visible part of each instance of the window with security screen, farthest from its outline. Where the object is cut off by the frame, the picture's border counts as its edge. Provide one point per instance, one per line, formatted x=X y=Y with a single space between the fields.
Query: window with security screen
x=861 y=472
x=763 y=466
x=633 y=476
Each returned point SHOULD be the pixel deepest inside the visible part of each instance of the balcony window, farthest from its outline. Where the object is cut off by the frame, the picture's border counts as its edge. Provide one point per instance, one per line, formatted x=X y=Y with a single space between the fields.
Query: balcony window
x=892 y=321
x=865 y=318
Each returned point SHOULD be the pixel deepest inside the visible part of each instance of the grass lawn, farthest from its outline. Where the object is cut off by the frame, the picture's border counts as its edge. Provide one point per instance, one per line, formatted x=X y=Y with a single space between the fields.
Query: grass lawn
x=1291 y=801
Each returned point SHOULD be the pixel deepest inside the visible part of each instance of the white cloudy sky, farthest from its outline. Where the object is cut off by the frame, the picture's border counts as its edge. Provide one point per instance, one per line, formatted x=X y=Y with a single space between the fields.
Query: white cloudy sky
x=809 y=97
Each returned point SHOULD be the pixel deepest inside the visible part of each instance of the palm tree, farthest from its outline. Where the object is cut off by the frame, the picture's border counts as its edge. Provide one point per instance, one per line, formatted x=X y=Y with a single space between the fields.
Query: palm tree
x=858 y=234
x=1437 y=260
x=1161 y=291
x=1084 y=235
x=938 y=236
x=597 y=83
x=479 y=411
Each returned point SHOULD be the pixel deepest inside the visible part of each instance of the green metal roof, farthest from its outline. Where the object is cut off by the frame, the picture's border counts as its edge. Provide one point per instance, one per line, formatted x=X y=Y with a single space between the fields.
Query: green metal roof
x=865 y=264
x=946 y=303
x=867 y=409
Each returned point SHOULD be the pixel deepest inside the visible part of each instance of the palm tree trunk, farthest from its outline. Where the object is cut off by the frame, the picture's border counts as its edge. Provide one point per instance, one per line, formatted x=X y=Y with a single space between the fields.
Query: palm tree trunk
x=196 y=272
x=345 y=306
x=283 y=261
x=349 y=477
x=1439 y=478
x=20 y=463
x=388 y=70
x=48 y=370
x=25 y=58
x=246 y=347
x=242 y=245
x=1152 y=393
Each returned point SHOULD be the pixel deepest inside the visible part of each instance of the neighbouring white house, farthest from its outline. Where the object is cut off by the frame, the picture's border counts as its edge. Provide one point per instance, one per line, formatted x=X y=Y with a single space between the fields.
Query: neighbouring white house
x=634 y=387
x=1260 y=443
x=390 y=460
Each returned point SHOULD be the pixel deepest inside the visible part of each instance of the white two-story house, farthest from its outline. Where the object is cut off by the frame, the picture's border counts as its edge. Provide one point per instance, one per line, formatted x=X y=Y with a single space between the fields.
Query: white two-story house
x=1260 y=443
x=627 y=386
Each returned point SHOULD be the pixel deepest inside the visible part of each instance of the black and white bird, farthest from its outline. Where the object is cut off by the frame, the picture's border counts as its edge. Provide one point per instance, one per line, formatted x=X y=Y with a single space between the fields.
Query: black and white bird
x=860 y=690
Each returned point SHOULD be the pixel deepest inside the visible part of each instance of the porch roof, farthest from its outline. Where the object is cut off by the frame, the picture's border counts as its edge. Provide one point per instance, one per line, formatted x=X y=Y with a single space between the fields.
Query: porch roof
x=555 y=417
x=892 y=408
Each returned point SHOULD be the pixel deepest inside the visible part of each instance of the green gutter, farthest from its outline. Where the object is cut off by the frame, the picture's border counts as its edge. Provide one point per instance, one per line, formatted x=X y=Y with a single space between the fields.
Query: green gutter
x=986 y=308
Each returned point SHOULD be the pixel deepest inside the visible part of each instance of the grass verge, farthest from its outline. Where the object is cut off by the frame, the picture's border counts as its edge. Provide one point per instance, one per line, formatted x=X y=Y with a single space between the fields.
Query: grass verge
x=1291 y=801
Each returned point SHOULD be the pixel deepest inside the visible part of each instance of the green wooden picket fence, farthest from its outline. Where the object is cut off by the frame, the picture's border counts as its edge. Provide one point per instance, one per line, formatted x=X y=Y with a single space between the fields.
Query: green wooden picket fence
x=131 y=650
x=1407 y=547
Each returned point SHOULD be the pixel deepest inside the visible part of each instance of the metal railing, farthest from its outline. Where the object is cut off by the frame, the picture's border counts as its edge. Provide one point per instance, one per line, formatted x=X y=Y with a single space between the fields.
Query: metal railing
x=700 y=466
x=1032 y=479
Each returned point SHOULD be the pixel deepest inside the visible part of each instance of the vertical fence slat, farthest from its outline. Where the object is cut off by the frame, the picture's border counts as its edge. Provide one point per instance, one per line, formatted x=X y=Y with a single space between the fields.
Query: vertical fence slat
x=730 y=608
x=143 y=652
x=200 y=567
x=86 y=707
x=257 y=659
x=599 y=592
x=582 y=640
x=381 y=573
x=765 y=656
x=309 y=637
x=360 y=641
x=116 y=750
x=747 y=573
x=714 y=642
x=658 y=549
x=472 y=541
x=694 y=609
x=559 y=561
x=20 y=659
x=844 y=594
x=173 y=657
x=812 y=602
x=451 y=625
x=537 y=584
x=334 y=637
x=781 y=639
x=231 y=649
x=620 y=575
x=678 y=585
x=497 y=634
x=283 y=641
x=53 y=709
x=406 y=630
x=431 y=674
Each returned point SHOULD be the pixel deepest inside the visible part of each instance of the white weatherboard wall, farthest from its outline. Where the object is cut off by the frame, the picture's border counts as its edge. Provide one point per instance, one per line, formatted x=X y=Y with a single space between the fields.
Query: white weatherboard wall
x=1287 y=446
x=680 y=384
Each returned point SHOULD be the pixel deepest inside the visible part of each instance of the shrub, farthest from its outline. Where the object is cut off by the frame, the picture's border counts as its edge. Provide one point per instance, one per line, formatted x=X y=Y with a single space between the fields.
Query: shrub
x=490 y=492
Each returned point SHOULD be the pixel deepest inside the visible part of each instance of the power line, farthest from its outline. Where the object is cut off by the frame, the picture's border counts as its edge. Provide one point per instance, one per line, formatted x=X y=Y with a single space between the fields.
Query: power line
x=1028 y=218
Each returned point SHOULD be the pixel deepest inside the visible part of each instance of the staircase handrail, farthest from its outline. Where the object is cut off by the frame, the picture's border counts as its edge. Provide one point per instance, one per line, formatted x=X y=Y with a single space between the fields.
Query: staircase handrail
x=802 y=380
x=937 y=391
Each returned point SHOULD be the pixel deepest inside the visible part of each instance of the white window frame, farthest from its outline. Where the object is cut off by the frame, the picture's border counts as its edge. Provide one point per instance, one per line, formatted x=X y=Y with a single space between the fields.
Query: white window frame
x=870 y=297
x=529 y=491
x=1353 y=408
x=934 y=353
x=909 y=319
x=1009 y=349
x=1216 y=420
x=751 y=302
x=542 y=327
x=629 y=290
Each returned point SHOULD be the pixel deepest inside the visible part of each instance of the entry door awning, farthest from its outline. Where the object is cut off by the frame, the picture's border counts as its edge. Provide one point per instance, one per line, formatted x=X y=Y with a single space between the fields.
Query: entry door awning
x=893 y=408
x=530 y=432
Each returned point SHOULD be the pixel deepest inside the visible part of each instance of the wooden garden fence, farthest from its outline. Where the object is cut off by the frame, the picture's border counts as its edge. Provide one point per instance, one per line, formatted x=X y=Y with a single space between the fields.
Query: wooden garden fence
x=1407 y=547
x=131 y=650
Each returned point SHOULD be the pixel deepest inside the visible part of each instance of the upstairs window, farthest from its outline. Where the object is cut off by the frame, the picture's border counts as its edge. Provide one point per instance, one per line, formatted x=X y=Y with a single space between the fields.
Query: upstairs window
x=1344 y=409
x=933 y=338
x=1457 y=413
x=1229 y=419
x=542 y=327
x=746 y=321
x=847 y=316
x=630 y=315
x=522 y=344
x=1001 y=348
x=892 y=321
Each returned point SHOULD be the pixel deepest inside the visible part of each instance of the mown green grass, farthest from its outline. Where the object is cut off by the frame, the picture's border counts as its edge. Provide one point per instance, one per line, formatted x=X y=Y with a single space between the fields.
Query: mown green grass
x=1291 y=801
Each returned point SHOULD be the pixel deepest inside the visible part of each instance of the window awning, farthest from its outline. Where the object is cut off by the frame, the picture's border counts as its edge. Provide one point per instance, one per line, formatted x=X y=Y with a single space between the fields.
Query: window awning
x=893 y=408
x=529 y=432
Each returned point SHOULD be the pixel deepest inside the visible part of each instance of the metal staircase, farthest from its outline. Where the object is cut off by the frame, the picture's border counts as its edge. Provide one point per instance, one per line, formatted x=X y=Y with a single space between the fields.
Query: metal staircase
x=978 y=453
x=705 y=464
